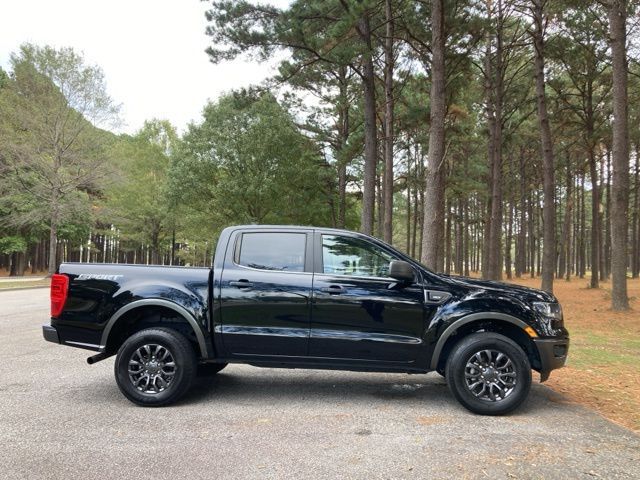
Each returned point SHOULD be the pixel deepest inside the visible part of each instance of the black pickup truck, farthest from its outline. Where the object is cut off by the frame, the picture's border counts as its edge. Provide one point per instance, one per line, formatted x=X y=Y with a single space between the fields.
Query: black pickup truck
x=306 y=297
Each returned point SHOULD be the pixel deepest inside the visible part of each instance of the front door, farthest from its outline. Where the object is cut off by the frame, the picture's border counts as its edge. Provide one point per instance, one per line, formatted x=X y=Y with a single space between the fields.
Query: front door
x=359 y=312
x=265 y=291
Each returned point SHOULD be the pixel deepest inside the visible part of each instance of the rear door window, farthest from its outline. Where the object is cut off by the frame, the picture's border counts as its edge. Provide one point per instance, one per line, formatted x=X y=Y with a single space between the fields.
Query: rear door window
x=276 y=251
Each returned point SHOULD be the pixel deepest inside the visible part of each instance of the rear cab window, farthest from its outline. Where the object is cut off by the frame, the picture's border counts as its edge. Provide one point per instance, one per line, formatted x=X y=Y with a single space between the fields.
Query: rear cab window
x=274 y=251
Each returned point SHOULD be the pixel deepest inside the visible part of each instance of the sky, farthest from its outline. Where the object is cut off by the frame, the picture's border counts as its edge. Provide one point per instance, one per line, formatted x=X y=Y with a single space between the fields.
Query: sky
x=151 y=51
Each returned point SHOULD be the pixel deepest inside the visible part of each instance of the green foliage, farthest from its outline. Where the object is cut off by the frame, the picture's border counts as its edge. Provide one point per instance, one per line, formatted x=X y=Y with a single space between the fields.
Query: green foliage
x=248 y=162
x=12 y=244
x=137 y=200
x=53 y=156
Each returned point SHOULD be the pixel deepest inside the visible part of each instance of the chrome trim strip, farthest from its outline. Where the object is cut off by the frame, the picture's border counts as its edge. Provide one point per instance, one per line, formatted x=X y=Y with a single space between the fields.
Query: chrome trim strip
x=267 y=331
x=354 y=335
x=85 y=345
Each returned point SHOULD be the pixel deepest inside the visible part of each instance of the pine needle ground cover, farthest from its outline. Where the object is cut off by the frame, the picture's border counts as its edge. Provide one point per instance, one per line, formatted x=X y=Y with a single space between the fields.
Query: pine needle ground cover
x=602 y=371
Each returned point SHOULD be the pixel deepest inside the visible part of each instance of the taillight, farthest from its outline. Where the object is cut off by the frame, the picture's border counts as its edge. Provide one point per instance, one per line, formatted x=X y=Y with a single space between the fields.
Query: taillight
x=59 y=290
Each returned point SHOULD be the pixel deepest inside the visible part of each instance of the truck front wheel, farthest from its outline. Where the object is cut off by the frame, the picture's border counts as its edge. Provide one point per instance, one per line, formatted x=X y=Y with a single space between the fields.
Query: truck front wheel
x=155 y=367
x=488 y=373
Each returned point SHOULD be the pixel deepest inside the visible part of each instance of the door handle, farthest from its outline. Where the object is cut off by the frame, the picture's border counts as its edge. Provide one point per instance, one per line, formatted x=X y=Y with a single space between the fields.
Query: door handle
x=242 y=283
x=334 y=289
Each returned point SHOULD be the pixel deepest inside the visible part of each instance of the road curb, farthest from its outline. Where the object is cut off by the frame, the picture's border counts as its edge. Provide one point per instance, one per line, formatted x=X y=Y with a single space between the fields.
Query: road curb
x=22 y=288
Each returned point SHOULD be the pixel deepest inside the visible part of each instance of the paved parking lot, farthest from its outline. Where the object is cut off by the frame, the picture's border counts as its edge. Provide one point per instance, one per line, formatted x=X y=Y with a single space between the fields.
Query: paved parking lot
x=63 y=419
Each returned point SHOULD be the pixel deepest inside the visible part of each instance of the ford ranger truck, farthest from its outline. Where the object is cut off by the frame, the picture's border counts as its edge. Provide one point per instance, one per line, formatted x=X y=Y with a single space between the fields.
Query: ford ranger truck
x=306 y=297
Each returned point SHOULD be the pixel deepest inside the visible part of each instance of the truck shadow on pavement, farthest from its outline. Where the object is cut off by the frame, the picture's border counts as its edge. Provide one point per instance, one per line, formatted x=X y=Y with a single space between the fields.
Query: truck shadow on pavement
x=257 y=386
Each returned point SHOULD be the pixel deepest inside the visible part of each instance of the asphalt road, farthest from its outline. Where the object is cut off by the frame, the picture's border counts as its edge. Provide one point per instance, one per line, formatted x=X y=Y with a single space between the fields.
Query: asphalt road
x=63 y=419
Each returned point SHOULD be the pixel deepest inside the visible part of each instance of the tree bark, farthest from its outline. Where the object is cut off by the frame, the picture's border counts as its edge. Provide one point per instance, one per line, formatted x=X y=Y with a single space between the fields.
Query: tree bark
x=508 y=241
x=620 y=220
x=595 y=222
x=370 y=131
x=388 y=125
x=583 y=228
x=549 y=207
x=635 y=249
x=565 y=259
x=447 y=239
x=496 y=101
x=343 y=138
x=606 y=250
x=532 y=238
x=53 y=243
x=521 y=249
x=433 y=213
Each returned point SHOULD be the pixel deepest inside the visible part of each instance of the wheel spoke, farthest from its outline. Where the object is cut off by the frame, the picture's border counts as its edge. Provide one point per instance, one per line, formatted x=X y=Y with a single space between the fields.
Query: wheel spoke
x=490 y=375
x=161 y=366
x=163 y=383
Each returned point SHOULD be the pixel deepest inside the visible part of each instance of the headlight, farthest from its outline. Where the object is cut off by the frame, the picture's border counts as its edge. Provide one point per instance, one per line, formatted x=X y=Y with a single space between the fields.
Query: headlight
x=551 y=311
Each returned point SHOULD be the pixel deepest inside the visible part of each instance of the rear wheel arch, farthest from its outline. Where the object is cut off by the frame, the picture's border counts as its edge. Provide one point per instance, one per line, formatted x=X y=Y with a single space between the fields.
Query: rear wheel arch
x=507 y=325
x=142 y=314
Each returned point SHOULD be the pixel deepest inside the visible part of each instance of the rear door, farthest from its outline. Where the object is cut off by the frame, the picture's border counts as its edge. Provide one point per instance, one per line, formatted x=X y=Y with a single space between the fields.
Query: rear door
x=266 y=287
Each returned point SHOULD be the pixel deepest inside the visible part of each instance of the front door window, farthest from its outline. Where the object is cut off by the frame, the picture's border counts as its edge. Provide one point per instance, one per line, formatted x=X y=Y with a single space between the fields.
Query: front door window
x=354 y=257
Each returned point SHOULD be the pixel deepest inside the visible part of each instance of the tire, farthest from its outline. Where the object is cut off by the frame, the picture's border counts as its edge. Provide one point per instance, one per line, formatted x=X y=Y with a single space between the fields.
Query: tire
x=501 y=387
x=165 y=378
x=209 y=369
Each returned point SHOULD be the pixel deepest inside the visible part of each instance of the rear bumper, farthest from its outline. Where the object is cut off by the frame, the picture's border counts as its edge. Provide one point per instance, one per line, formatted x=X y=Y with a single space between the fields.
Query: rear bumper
x=553 y=354
x=50 y=334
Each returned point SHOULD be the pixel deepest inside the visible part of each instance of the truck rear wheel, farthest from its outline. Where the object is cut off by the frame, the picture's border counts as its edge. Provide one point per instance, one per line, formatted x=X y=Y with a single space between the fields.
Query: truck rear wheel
x=155 y=367
x=488 y=373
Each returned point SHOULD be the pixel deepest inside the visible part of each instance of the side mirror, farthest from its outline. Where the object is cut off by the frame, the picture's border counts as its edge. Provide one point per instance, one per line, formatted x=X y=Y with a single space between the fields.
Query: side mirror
x=401 y=270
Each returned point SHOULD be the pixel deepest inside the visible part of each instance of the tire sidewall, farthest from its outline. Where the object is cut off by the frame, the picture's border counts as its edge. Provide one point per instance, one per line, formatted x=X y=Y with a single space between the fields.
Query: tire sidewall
x=183 y=356
x=455 y=372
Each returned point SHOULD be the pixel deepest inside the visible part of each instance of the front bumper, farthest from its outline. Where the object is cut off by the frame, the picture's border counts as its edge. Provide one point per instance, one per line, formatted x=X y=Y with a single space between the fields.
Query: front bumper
x=553 y=354
x=50 y=334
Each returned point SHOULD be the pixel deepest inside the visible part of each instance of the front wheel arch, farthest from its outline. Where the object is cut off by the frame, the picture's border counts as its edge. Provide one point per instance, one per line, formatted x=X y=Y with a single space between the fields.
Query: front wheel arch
x=507 y=325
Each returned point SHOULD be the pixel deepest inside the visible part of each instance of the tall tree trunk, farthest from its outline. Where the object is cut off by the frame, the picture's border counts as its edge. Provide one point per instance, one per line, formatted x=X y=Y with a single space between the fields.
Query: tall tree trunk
x=507 y=247
x=379 y=201
x=606 y=255
x=370 y=130
x=447 y=239
x=595 y=221
x=635 y=249
x=496 y=97
x=433 y=213
x=549 y=207
x=408 y=184
x=344 y=127
x=521 y=249
x=53 y=245
x=388 y=125
x=565 y=259
x=417 y=174
x=620 y=220
x=601 y=221
x=532 y=238
x=583 y=229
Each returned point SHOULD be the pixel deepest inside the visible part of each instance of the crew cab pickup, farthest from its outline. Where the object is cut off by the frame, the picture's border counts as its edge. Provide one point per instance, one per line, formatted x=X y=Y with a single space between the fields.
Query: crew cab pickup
x=307 y=297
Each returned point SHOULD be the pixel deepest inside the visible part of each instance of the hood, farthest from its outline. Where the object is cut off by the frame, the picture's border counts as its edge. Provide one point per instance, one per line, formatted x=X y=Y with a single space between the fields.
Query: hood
x=523 y=293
